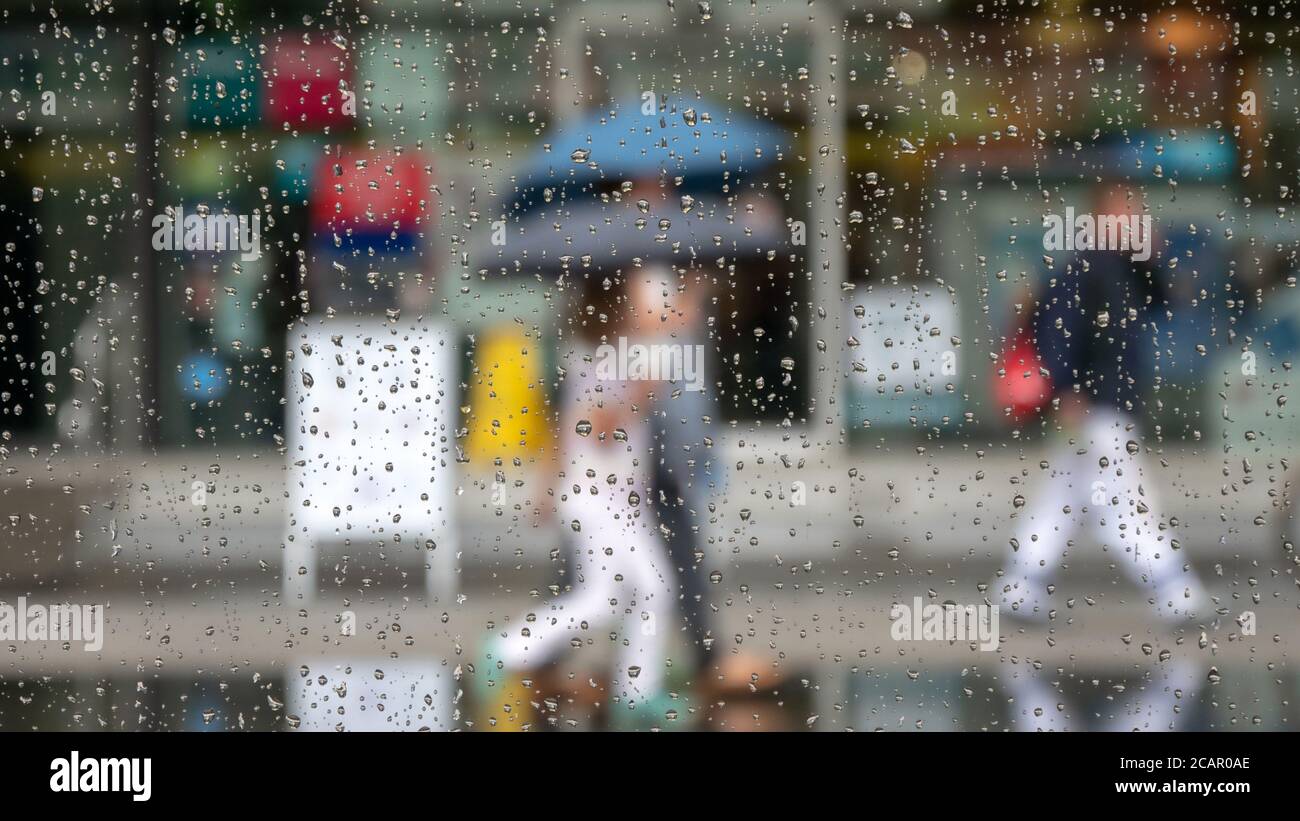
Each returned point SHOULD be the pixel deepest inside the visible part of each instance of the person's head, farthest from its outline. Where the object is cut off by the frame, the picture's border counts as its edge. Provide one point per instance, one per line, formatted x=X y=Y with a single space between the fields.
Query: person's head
x=1119 y=198
x=667 y=301
x=1127 y=202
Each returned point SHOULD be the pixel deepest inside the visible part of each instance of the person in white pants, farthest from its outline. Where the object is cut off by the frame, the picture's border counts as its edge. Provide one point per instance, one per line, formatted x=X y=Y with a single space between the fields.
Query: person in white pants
x=621 y=574
x=1096 y=330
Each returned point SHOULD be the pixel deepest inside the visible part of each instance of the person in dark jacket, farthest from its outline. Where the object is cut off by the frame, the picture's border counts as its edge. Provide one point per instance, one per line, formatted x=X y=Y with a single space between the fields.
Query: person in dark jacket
x=1096 y=331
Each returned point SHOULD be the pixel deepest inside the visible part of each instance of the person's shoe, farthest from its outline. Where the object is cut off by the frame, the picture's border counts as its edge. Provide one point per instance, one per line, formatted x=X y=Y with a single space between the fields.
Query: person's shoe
x=663 y=710
x=502 y=698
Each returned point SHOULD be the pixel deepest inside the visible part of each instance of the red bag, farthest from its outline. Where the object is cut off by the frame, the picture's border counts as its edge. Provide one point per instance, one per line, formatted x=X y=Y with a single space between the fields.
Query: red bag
x=1021 y=383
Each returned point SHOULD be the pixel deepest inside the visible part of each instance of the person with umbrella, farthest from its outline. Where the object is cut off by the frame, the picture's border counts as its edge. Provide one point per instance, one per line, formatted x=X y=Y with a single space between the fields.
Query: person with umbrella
x=637 y=191
x=620 y=573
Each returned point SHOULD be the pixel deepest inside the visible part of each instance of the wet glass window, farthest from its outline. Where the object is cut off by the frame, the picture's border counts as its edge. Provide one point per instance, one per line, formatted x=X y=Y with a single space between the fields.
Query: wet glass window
x=679 y=366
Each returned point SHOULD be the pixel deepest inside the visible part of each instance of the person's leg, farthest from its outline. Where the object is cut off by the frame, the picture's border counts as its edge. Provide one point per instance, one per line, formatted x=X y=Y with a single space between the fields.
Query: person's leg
x=536 y=636
x=1042 y=534
x=676 y=522
x=647 y=600
x=532 y=639
x=539 y=636
x=1127 y=513
x=502 y=692
x=684 y=472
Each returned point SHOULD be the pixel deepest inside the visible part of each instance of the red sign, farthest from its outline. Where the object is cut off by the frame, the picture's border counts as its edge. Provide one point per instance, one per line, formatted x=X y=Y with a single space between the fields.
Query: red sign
x=306 y=81
x=372 y=192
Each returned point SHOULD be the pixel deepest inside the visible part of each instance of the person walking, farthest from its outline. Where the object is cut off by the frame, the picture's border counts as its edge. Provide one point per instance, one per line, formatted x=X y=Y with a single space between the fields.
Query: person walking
x=621 y=575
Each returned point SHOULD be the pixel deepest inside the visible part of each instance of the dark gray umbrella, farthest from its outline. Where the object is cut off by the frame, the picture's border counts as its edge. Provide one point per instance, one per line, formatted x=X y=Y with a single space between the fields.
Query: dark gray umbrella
x=614 y=235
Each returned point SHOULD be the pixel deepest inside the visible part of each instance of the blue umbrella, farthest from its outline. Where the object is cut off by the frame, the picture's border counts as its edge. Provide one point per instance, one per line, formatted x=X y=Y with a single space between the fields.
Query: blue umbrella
x=696 y=139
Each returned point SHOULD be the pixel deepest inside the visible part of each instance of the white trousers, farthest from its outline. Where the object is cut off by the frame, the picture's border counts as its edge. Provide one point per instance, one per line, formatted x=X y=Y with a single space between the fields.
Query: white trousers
x=1096 y=483
x=621 y=576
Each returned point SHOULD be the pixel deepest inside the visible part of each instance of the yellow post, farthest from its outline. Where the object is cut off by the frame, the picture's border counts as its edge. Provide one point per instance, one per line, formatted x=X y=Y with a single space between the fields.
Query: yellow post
x=507 y=413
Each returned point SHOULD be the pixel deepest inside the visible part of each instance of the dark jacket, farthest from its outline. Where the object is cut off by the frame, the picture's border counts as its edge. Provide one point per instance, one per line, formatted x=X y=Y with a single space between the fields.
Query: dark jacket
x=1093 y=327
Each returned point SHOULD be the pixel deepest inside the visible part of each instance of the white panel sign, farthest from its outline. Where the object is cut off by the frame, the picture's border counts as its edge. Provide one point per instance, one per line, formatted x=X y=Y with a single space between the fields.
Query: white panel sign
x=370 y=442
x=901 y=355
